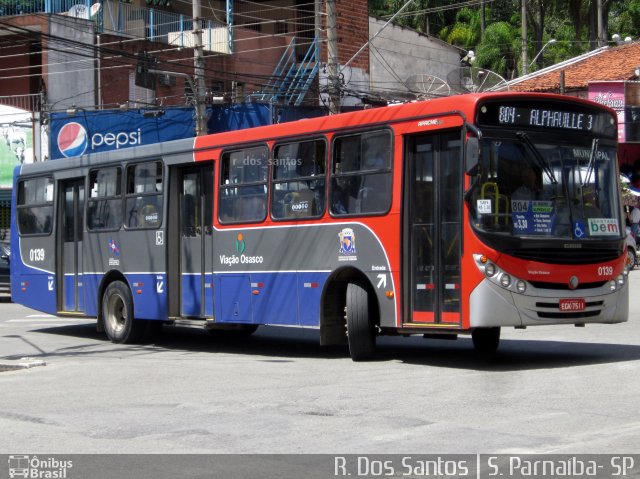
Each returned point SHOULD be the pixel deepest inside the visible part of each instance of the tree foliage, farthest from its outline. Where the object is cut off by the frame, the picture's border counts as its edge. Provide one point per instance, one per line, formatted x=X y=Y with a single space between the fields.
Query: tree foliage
x=498 y=51
x=572 y=23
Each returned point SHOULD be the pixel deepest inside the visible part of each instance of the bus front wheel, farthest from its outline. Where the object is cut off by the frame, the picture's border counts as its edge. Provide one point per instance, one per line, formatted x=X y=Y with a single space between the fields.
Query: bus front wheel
x=117 y=314
x=486 y=340
x=360 y=330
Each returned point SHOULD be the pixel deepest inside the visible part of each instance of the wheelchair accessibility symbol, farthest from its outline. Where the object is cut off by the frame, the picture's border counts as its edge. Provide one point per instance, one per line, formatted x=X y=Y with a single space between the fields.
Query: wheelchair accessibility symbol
x=578 y=229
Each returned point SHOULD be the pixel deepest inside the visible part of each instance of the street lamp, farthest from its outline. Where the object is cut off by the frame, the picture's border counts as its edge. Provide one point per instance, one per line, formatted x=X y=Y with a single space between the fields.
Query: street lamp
x=553 y=40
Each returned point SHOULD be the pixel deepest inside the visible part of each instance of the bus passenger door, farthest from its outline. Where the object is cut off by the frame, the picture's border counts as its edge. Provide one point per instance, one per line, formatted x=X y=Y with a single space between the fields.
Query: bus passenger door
x=69 y=268
x=433 y=229
x=196 y=244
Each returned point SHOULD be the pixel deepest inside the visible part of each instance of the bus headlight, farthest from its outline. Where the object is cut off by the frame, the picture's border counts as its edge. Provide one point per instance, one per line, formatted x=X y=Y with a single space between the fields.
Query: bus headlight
x=612 y=285
x=498 y=276
x=621 y=279
x=490 y=269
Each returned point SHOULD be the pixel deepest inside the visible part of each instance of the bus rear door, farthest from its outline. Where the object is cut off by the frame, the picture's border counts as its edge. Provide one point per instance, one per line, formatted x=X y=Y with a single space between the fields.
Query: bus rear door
x=70 y=225
x=433 y=229
x=195 y=196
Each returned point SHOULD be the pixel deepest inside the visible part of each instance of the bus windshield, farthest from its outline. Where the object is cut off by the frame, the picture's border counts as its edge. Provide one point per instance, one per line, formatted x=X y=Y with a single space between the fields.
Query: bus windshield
x=526 y=188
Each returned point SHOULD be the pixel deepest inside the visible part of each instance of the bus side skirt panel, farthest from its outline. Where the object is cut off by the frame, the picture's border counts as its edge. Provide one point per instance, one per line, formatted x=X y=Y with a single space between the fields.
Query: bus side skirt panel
x=37 y=291
x=149 y=294
x=287 y=298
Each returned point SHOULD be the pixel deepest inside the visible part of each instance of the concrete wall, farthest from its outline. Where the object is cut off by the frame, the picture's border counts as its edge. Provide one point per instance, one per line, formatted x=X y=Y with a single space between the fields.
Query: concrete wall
x=71 y=70
x=398 y=53
x=382 y=69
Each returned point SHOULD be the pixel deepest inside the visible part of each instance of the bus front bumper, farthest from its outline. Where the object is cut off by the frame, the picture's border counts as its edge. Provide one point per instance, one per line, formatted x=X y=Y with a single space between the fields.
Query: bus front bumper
x=491 y=306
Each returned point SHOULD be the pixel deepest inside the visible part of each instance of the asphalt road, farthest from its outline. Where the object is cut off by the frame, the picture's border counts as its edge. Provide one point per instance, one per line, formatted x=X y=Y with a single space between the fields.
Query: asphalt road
x=554 y=389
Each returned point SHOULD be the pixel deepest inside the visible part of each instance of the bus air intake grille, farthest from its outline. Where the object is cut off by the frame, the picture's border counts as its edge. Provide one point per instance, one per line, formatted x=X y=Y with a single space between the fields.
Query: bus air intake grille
x=565 y=286
x=576 y=315
x=590 y=304
x=563 y=256
x=555 y=314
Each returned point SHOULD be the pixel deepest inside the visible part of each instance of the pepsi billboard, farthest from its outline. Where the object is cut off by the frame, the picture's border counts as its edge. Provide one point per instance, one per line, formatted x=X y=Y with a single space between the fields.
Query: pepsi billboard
x=104 y=130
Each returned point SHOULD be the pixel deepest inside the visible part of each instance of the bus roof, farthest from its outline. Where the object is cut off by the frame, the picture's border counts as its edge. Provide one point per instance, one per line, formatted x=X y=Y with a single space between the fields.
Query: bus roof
x=464 y=104
x=395 y=113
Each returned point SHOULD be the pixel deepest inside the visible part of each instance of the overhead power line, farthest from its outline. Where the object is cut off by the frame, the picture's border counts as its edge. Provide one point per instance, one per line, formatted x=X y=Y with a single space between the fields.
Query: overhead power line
x=127 y=59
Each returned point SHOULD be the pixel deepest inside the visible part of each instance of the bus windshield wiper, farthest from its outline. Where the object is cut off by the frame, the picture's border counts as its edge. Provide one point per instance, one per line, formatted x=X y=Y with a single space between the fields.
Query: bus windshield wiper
x=540 y=161
x=592 y=161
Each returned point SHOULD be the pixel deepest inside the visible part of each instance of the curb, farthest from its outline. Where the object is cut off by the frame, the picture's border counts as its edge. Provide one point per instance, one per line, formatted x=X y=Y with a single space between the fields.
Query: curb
x=22 y=363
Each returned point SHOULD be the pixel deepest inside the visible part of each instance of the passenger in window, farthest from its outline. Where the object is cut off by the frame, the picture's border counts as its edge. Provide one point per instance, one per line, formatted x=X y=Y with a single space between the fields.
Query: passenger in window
x=531 y=185
x=590 y=204
x=376 y=154
x=374 y=188
x=338 y=196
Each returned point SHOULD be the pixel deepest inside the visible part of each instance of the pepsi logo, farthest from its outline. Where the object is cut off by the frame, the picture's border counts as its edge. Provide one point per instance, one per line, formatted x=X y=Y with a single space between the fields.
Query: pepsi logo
x=72 y=139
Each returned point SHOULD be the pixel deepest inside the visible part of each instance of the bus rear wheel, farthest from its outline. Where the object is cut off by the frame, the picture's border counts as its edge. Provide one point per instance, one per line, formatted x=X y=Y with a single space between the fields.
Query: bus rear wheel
x=360 y=330
x=117 y=314
x=486 y=340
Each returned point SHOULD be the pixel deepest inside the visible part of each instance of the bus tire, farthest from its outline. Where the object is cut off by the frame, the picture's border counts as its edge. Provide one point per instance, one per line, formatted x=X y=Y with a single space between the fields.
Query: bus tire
x=631 y=259
x=117 y=314
x=360 y=330
x=486 y=340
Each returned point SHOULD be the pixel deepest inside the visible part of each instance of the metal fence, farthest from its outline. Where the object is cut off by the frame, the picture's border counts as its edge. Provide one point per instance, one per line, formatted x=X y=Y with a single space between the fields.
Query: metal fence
x=30 y=102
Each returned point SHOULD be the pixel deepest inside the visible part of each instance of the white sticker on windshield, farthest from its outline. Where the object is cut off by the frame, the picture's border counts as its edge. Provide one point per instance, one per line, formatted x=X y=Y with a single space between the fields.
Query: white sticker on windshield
x=603 y=226
x=483 y=206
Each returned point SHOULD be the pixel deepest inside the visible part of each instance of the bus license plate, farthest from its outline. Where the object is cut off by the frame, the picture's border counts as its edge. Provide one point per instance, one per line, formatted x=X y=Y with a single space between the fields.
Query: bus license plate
x=572 y=304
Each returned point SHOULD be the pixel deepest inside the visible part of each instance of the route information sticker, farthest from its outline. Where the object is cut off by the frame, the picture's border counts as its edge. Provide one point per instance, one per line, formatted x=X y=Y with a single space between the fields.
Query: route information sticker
x=533 y=217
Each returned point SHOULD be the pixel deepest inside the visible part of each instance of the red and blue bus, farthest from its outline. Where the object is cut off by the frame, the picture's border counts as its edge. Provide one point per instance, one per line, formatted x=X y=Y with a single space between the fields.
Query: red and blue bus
x=459 y=215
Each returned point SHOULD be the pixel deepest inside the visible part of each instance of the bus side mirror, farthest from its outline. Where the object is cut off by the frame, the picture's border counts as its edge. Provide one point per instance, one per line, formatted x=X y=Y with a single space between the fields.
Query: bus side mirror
x=472 y=155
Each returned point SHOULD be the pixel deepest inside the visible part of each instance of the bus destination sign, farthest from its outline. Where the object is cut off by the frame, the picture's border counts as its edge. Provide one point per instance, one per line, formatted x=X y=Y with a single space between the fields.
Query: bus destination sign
x=519 y=114
x=538 y=117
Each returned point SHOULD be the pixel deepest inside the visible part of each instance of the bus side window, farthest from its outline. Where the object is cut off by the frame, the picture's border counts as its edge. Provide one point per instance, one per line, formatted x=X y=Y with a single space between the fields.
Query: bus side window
x=35 y=206
x=143 y=207
x=361 y=167
x=299 y=178
x=104 y=205
x=243 y=185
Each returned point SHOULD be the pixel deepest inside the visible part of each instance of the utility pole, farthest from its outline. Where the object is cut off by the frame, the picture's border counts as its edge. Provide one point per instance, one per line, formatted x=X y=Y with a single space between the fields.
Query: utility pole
x=332 y=60
x=600 y=24
x=198 y=70
x=525 y=56
x=318 y=29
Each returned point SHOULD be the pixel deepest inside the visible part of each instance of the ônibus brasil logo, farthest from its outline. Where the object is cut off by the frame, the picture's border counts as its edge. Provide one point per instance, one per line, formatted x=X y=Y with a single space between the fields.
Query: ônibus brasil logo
x=72 y=139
